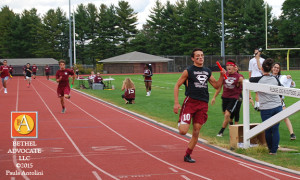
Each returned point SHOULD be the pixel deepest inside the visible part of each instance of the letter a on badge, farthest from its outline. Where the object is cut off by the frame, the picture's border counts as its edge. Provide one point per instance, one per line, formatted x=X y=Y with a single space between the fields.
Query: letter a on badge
x=24 y=124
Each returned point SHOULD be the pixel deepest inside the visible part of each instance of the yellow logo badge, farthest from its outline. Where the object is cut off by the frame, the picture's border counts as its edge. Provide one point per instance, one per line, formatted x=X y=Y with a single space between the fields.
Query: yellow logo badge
x=24 y=125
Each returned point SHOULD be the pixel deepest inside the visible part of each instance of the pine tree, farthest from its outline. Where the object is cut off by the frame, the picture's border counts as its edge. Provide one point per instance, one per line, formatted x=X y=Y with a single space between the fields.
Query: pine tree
x=127 y=22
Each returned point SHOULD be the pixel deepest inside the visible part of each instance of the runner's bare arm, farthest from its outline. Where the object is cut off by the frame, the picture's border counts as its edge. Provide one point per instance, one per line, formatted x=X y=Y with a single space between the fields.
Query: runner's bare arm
x=213 y=100
x=240 y=82
x=216 y=84
x=180 y=81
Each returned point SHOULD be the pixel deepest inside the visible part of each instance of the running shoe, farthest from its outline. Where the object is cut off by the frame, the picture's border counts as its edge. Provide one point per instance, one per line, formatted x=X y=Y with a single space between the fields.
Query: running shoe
x=293 y=136
x=5 y=91
x=188 y=158
x=63 y=110
x=220 y=135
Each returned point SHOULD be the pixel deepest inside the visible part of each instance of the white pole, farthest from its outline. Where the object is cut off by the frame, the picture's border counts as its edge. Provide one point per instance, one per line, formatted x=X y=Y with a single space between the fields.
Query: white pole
x=223 y=41
x=74 y=36
x=70 y=36
x=246 y=115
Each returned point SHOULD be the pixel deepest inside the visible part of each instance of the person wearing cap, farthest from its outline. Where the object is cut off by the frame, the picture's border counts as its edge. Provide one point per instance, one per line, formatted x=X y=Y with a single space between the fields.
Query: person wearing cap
x=231 y=93
x=255 y=70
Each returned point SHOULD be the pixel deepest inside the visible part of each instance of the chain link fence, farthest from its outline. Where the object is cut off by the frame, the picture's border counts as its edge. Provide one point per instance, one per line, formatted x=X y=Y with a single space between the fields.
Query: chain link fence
x=180 y=63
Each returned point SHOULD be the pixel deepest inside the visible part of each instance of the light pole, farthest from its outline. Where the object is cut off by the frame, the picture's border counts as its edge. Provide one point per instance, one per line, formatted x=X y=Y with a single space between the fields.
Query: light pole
x=70 y=36
x=222 y=44
x=74 y=36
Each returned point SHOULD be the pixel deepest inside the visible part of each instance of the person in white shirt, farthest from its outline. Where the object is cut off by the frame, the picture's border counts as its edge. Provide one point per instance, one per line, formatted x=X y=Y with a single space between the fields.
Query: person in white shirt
x=255 y=70
x=286 y=81
x=91 y=79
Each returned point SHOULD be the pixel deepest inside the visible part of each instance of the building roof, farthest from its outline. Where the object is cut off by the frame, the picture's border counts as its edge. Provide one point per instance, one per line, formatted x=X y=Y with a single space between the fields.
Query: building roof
x=37 y=61
x=135 y=57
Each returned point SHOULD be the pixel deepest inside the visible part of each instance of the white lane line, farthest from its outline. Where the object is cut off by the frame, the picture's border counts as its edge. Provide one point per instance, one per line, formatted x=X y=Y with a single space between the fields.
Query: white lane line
x=96 y=175
x=17 y=100
x=172 y=169
x=14 y=144
x=132 y=143
x=259 y=172
x=71 y=140
x=184 y=177
x=123 y=111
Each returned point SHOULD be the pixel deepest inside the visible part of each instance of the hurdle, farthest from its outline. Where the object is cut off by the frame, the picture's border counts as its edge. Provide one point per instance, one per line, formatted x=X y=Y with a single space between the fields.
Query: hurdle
x=270 y=89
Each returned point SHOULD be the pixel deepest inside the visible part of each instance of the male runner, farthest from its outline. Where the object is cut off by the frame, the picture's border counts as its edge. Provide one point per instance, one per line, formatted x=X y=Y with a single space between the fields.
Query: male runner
x=47 y=71
x=34 y=69
x=62 y=78
x=4 y=70
x=231 y=93
x=195 y=105
x=28 y=72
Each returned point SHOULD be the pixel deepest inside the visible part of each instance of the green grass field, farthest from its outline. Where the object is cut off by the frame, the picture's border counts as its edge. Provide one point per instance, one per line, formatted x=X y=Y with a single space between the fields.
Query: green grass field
x=159 y=106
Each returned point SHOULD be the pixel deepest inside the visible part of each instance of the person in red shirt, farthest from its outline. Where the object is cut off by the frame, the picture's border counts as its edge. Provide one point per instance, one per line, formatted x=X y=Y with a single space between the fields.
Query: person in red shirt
x=129 y=95
x=62 y=78
x=10 y=70
x=47 y=71
x=147 y=78
x=98 y=79
x=4 y=70
x=231 y=93
x=34 y=69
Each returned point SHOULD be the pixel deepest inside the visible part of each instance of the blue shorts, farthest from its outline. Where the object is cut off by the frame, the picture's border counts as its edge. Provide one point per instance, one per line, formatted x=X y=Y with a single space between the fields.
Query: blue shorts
x=4 y=79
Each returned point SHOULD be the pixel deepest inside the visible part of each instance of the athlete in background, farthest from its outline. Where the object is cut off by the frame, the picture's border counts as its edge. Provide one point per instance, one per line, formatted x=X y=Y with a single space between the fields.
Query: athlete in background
x=129 y=95
x=34 y=70
x=231 y=93
x=47 y=71
x=147 y=78
x=4 y=70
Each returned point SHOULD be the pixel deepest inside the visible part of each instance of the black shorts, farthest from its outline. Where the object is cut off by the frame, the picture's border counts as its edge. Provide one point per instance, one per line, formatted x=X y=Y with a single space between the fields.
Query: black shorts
x=47 y=74
x=229 y=104
x=34 y=73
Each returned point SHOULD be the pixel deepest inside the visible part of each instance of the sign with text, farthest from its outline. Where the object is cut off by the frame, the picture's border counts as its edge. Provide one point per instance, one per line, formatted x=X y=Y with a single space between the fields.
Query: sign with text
x=24 y=124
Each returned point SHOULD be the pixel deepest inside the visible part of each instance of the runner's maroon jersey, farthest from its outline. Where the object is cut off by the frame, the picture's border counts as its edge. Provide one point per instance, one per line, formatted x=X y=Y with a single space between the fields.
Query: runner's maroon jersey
x=98 y=79
x=129 y=94
x=4 y=71
x=147 y=74
x=47 y=69
x=65 y=76
x=230 y=89
x=34 y=68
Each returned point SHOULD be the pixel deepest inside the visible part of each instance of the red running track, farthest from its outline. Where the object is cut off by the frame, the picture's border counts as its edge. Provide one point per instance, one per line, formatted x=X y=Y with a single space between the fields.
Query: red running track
x=94 y=140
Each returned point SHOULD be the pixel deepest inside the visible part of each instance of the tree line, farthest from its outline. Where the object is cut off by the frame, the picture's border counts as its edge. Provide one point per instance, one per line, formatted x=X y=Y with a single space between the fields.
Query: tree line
x=171 y=29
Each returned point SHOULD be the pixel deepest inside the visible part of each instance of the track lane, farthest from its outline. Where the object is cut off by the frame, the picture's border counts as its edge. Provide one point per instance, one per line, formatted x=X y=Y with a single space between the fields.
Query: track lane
x=132 y=129
x=96 y=129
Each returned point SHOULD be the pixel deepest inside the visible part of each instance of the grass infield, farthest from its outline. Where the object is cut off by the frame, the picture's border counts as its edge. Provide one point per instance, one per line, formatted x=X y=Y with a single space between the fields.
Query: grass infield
x=159 y=106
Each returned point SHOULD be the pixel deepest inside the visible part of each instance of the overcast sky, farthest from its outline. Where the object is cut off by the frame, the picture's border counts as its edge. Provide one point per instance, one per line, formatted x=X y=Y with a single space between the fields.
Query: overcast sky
x=142 y=7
